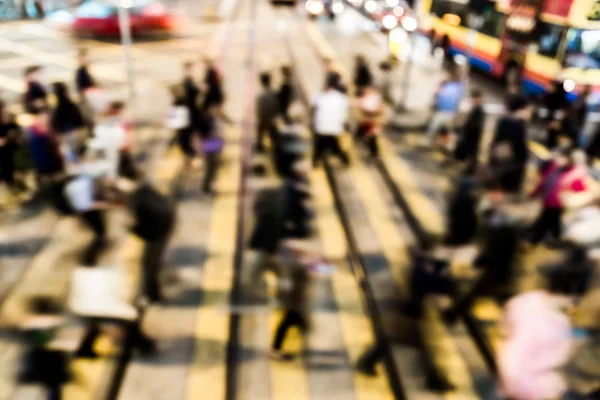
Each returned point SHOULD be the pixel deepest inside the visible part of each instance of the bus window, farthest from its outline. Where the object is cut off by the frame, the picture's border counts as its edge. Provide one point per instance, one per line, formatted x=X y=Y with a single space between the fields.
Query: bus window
x=492 y=23
x=583 y=49
x=550 y=39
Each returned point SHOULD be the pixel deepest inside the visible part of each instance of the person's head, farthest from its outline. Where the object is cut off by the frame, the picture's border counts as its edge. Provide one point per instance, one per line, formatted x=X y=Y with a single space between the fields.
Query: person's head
x=385 y=66
x=41 y=118
x=33 y=73
x=60 y=90
x=265 y=80
x=83 y=57
x=495 y=194
x=115 y=109
x=332 y=82
x=360 y=60
x=443 y=132
x=476 y=97
x=519 y=107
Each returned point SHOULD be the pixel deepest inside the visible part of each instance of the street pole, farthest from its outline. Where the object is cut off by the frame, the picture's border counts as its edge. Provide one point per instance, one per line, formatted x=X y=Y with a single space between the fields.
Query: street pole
x=403 y=104
x=127 y=43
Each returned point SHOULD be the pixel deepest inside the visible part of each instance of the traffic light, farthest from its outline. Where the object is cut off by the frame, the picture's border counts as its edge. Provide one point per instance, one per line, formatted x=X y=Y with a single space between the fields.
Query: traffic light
x=479 y=6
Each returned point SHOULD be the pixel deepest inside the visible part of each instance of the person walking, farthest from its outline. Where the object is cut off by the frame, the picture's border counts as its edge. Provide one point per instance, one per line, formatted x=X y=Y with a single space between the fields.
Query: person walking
x=267 y=111
x=212 y=144
x=154 y=220
x=36 y=95
x=286 y=92
x=362 y=75
x=469 y=142
x=213 y=81
x=179 y=120
x=509 y=153
x=446 y=105
x=43 y=147
x=329 y=116
x=558 y=178
x=83 y=78
x=294 y=300
x=371 y=112
x=67 y=119
x=9 y=132
x=191 y=94
x=556 y=104
x=114 y=137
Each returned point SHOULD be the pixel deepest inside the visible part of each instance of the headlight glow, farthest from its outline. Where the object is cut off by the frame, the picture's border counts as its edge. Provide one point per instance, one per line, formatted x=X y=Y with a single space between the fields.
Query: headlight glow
x=370 y=6
x=409 y=23
x=569 y=85
x=337 y=7
x=398 y=11
x=314 y=7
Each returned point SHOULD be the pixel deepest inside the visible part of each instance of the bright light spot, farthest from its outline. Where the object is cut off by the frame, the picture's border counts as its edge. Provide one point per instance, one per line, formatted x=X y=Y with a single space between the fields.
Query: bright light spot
x=314 y=7
x=389 y=22
x=398 y=11
x=154 y=10
x=392 y=3
x=460 y=59
x=337 y=8
x=398 y=36
x=569 y=85
x=126 y=3
x=409 y=23
x=370 y=6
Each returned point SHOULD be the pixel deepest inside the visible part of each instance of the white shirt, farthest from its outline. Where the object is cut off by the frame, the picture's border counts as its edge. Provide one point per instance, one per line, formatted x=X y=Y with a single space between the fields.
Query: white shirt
x=331 y=112
x=80 y=193
x=178 y=118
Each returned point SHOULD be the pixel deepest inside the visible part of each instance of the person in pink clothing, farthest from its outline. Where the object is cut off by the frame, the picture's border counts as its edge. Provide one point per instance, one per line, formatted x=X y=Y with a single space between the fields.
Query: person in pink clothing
x=559 y=177
x=537 y=344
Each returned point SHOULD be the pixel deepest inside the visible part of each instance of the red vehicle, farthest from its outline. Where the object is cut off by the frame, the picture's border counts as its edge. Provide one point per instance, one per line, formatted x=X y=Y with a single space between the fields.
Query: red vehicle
x=98 y=18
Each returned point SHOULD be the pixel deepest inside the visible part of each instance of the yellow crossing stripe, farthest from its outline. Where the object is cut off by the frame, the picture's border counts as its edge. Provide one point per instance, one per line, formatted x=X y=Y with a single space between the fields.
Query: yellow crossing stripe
x=356 y=327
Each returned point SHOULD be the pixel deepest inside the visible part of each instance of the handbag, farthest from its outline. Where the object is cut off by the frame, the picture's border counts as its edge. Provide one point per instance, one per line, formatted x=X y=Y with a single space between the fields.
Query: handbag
x=212 y=145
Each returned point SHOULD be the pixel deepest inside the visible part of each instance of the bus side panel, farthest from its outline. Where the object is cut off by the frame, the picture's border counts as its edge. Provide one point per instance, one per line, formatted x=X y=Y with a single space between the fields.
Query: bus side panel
x=539 y=72
x=484 y=54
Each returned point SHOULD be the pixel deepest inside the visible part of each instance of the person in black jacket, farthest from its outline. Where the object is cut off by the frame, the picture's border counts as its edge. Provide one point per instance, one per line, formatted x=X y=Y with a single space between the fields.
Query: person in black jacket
x=36 y=95
x=362 y=75
x=462 y=215
x=154 y=219
x=191 y=94
x=509 y=153
x=66 y=119
x=469 y=143
x=556 y=104
x=213 y=96
x=83 y=78
x=285 y=95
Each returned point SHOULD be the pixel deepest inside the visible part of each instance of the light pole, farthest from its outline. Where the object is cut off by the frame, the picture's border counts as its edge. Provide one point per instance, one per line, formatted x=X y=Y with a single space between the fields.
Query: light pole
x=125 y=27
x=409 y=25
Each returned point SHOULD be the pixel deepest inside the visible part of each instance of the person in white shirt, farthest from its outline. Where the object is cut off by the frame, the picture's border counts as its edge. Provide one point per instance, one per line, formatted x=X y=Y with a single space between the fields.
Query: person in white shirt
x=329 y=116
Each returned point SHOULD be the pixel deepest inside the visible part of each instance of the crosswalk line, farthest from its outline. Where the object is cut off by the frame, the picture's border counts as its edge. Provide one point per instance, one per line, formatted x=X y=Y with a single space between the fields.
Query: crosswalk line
x=356 y=327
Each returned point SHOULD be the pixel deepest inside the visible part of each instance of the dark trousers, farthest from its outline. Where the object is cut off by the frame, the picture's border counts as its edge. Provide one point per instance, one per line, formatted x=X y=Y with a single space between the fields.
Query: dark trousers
x=211 y=163
x=265 y=129
x=95 y=220
x=548 y=221
x=326 y=143
x=489 y=283
x=290 y=319
x=152 y=263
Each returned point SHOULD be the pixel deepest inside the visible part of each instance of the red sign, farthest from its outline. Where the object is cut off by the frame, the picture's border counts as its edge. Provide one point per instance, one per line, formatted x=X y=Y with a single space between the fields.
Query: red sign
x=560 y=8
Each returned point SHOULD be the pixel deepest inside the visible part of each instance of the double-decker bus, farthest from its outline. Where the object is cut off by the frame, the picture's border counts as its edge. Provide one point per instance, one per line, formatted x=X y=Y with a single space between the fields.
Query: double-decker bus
x=532 y=42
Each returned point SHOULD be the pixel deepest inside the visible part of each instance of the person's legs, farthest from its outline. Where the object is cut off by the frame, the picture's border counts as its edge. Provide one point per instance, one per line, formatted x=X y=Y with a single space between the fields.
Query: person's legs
x=366 y=363
x=373 y=146
x=482 y=287
x=320 y=149
x=555 y=222
x=152 y=263
x=210 y=165
x=95 y=220
x=541 y=226
x=336 y=148
x=291 y=318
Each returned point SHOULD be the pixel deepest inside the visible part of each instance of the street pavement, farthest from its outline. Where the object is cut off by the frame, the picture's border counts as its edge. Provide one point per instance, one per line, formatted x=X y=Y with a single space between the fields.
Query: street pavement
x=205 y=347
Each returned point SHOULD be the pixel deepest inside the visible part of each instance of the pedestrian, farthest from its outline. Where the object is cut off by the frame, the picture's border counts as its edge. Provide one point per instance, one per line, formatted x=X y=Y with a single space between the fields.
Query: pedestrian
x=291 y=145
x=81 y=195
x=362 y=74
x=296 y=196
x=329 y=117
x=295 y=299
x=509 y=153
x=9 y=132
x=286 y=92
x=266 y=239
x=67 y=119
x=535 y=346
x=44 y=147
x=446 y=105
x=213 y=82
x=179 y=120
x=558 y=178
x=267 y=111
x=469 y=142
x=83 y=78
x=555 y=103
x=36 y=96
x=463 y=221
x=154 y=217
x=386 y=83
x=370 y=106
x=498 y=257
x=191 y=94
x=212 y=144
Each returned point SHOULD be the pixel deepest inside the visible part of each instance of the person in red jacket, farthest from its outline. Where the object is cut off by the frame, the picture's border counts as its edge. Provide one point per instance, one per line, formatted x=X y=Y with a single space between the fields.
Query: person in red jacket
x=560 y=176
